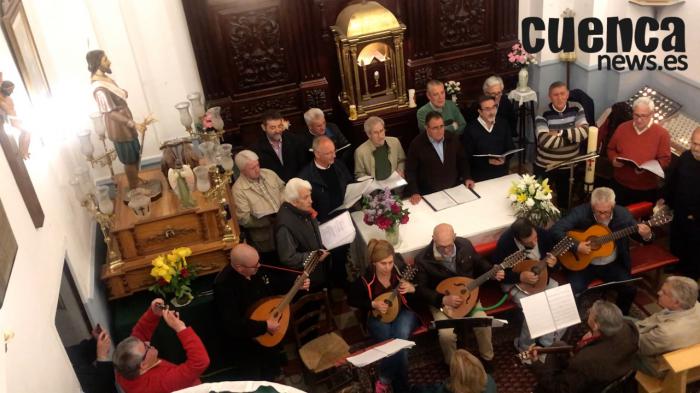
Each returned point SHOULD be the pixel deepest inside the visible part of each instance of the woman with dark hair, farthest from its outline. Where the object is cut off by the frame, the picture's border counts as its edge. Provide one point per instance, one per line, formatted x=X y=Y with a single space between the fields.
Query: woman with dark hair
x=383 y=275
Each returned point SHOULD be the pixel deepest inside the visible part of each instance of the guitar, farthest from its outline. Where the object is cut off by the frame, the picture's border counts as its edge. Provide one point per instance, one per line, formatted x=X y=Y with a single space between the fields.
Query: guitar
x=390 y=298
x=603 y=241
x=527 y=355
x=468 y=288
x=278 y=306
x=540 y=268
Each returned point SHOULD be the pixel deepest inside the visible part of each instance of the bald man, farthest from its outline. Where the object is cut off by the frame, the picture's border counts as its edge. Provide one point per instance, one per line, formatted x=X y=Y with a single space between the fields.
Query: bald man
x=236 y=289
x=327 y=176
x=681 y=193
x=450 y=256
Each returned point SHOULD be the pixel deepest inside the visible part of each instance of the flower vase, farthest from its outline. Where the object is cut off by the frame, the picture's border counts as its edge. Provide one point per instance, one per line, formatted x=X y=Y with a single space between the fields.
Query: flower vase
x=454 y=98
x=392 y=234
x=523 y=77
x=183 y=300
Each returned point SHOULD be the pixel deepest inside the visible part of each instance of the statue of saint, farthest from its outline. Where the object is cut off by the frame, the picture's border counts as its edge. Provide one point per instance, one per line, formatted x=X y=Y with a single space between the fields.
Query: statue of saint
x=8 y=113
x=122 y=130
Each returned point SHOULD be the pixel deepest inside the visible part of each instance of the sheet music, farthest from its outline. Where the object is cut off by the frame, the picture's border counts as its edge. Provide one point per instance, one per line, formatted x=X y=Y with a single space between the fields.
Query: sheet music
x=380 y=352
x=551 y=310
x=461 y=194
x=367 y=184
x=337 y=232
x=652 y=166
x=504 y=155
x=439 y=200
x=391 y=182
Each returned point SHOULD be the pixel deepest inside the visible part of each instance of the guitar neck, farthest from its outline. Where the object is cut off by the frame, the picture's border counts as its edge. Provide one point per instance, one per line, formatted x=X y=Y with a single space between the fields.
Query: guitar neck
x=299 y=282
x=618 y=234
x=509 y=261
x=563 y=348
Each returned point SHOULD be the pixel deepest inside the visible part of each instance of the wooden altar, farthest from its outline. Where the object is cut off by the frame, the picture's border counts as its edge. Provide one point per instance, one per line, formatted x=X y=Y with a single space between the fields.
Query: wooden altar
x=169 y=226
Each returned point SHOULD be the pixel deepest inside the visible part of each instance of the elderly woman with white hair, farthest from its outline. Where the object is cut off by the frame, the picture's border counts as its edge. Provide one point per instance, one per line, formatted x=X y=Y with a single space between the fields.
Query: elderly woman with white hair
x=614 y=267
x=640 y=140
x=380 y=155
x=297 y=233
x=258 y=196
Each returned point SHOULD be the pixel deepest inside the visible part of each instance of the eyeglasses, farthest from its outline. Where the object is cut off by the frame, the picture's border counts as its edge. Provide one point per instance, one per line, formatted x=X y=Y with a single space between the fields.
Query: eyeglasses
x=640 y=116
x=602 y=213
x=257 y=265
x=148 y=346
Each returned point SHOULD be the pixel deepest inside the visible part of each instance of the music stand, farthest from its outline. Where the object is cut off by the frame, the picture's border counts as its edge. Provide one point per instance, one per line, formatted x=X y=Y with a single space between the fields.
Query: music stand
x=462 y=325
x=571 y=164
x=582 y=297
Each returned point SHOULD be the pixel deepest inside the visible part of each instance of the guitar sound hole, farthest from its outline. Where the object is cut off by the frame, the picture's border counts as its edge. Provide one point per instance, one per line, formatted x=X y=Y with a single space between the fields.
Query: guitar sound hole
x=388 y=302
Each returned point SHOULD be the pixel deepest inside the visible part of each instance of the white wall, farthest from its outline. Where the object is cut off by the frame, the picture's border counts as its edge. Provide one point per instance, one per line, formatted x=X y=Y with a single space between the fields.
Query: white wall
x=152 y=58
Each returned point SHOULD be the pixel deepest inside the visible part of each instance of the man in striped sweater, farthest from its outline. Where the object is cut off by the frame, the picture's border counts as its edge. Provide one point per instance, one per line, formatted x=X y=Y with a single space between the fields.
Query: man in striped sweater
x=561 y=128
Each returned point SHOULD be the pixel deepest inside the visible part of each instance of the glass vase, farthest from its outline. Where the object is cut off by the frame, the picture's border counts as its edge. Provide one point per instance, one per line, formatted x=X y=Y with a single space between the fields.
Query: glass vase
x=392 y=234
x=183 y=300
x=202 y=174
x=523 y=77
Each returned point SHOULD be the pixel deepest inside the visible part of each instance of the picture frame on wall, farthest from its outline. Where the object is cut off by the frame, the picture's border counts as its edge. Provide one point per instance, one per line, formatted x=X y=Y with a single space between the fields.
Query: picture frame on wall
x=18 y=34
x=8 y=252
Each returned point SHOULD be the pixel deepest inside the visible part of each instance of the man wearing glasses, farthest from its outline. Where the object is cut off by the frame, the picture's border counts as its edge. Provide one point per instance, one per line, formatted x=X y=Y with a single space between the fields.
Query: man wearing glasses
x=640 y=140
x=138 y=367
x=505 y=111
x=615 y=267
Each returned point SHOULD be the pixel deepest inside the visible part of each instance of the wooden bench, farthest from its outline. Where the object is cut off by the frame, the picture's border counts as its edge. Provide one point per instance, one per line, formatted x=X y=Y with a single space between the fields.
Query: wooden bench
x=683 y=368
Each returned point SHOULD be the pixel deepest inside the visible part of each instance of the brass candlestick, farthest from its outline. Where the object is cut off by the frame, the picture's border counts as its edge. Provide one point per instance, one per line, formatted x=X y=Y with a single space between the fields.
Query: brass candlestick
x=218 y=193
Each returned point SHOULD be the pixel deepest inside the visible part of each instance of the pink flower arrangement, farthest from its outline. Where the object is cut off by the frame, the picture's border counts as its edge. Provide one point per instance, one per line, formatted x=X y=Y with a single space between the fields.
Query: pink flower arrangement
x=518 y=57
x=384 y=210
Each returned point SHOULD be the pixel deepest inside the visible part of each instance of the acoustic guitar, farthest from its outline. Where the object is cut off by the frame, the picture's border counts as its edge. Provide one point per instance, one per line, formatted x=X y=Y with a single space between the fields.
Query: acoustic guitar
x=468 y=288
x=527 y=355
x=540 y=268
x=278 y=306
x=603 y=241
x=390 y=298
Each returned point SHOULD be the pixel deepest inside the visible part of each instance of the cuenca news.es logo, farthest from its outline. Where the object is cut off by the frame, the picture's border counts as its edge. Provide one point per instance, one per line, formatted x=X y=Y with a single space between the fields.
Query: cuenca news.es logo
x=590 y=33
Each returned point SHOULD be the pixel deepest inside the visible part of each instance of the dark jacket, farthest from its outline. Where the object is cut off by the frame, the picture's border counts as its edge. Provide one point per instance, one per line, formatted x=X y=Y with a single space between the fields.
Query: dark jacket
x=507 y=112
x=94 y=376
x=321 y=193
x=506 y=246
x=431 y=271
x=593 y=367
x=425 y=173
x=476 y=140
x=339 y=140
x=297 y=235
x=581 y=218
x=293 y=155
x=361 y=295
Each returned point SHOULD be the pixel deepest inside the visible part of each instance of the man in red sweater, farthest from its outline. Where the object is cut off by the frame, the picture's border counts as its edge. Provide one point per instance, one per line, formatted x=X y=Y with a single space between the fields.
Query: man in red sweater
x=139 y=370
x=639 y=140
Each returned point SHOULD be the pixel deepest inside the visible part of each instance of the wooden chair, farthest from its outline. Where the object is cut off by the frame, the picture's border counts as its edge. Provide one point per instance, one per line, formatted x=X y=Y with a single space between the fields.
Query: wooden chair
x=319 y=342
x=683 y=368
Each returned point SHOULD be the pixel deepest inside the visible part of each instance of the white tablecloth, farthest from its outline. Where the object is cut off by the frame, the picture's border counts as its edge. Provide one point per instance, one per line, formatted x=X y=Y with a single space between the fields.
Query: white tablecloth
x=238 y=386
x=480 y=221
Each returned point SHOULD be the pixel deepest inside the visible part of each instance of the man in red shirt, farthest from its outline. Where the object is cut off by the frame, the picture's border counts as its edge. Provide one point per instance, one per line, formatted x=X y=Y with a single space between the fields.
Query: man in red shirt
x=640 y=140
x=139 y=370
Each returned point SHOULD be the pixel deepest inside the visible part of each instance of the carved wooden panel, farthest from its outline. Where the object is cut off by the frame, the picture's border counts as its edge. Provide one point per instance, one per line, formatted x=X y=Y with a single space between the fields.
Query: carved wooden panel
x=463 y=23
x=464 y=65
x=255 y=50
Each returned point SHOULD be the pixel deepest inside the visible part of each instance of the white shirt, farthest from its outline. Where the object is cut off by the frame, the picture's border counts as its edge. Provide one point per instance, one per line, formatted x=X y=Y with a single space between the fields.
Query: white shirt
x=483 y=124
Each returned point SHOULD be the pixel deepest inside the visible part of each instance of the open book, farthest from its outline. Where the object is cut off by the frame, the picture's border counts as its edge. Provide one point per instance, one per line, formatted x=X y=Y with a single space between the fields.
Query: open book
x=380 y=352
x=504 y=155
x=450 y=197
x=551 y=310
x=652 y=166
x=367 y=184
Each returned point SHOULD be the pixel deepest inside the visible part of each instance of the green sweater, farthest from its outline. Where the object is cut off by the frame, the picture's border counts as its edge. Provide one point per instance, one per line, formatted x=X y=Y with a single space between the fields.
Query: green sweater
x=450 y=113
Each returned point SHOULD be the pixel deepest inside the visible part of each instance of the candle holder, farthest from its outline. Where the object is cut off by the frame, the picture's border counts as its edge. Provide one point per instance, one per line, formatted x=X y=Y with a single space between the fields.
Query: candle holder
x=194 y=109
x=98 y=203
x=219 y=187
x=87 y=148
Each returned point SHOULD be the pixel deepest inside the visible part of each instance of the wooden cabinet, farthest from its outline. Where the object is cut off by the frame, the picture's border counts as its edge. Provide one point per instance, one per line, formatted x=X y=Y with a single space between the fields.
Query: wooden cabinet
x=169 y=226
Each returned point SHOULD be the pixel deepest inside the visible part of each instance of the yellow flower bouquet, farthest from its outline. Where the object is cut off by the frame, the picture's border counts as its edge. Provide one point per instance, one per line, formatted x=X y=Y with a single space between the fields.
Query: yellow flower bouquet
x=173 y=275
x=532 y=199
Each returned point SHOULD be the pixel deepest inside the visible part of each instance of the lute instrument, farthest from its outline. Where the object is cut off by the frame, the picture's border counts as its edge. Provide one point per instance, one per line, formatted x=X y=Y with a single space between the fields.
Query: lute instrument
x=278 y=306
x=393 y=305
x=540 y=268
x=468 y=288
x=603 y=241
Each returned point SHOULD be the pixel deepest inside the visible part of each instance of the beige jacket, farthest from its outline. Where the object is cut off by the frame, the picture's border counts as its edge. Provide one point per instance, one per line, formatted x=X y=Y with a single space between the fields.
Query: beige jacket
x=257 y=207
x=665 y=332
x=364 y=160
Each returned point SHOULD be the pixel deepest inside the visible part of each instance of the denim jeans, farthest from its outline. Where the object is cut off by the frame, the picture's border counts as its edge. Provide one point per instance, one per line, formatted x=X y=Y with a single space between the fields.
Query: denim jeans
x=394 y=369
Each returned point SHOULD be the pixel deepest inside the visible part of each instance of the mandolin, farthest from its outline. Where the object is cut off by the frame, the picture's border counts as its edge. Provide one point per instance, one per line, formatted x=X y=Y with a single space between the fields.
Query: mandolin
x=468 y=288
x=603 y=241
x=390 y=298
x=278 y=306
x=540 y=268
x=527 y=355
